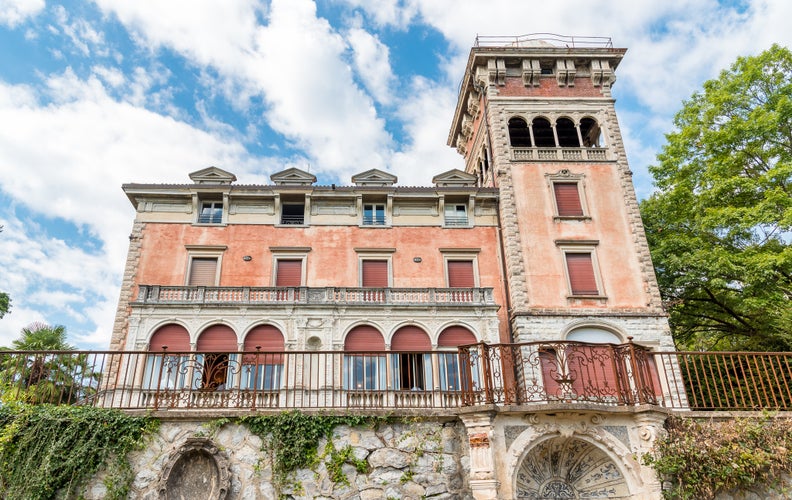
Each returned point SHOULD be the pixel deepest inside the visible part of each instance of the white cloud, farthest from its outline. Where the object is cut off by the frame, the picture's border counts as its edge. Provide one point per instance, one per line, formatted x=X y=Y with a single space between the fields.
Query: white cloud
x=371 y=63
x=14 y=12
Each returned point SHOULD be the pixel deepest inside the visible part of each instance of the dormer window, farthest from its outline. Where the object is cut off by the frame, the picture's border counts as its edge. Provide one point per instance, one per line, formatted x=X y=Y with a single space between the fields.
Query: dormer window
x=211 y=212
x=293 y=213
x=373 y=214
x=456 y=214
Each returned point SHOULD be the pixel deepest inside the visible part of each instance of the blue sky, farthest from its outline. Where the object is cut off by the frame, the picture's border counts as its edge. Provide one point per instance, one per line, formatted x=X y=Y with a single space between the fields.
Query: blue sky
x=94 y=94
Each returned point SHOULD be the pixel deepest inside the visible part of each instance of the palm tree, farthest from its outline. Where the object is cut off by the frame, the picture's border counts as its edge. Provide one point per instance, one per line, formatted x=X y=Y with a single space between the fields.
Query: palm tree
x=44 y=371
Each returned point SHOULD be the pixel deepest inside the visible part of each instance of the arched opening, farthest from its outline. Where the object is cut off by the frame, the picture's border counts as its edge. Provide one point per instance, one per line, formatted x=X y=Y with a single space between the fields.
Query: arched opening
x=364 y=359
x=569 y=468
x=217 y=347
x=262 y=363
x=519 y=134
x=166 y=366
x=412 y=363
x=543 y=133
x=567 y=133
x=456 y=374
x=590 y=132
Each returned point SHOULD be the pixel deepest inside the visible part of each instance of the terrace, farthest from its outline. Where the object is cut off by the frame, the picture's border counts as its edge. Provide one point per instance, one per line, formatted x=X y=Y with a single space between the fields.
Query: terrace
x=569 y=374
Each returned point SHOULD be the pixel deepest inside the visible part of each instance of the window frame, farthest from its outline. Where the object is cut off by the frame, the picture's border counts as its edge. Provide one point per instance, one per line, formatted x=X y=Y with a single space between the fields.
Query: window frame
x=202 y=204
x=380 y=254
x=289 y=253
x=582 y=247
x=374 y=221
x=204 y=252
x=456 y=221
x=461 y=254
x=566 y=177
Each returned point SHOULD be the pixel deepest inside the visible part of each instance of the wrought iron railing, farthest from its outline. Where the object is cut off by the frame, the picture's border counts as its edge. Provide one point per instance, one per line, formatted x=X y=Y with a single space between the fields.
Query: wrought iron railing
x=565 y=41
x=559 y=154
x=561 y=373
x=157 y=294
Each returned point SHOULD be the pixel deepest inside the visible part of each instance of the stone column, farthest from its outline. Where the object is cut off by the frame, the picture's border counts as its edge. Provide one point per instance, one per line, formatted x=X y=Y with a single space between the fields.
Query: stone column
x=479 y=428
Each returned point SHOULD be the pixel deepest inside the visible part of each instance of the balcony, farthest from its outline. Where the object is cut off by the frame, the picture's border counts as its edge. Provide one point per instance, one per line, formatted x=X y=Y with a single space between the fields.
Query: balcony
x=429 y=297
x=559 y=154
x=569 y=374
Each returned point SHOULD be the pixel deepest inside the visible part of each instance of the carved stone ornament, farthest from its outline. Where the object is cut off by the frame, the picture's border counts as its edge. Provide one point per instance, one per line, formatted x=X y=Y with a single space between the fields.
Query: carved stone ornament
x=479 y=440
x=196 y=469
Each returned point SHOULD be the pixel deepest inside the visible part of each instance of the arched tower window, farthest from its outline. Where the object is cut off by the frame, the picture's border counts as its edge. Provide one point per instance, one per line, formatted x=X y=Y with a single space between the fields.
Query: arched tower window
x=543 y=133
x=567 y=133
x=590 y=132
x=519 y=135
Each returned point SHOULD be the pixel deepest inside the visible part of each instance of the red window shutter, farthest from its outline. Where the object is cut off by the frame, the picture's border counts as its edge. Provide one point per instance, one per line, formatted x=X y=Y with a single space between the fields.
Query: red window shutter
x=410 y=338
x=270 y=339
x=289 y=273
x=174 y=336
x=454 y=336
x=460 y=274
x=581 y=274
x=203 y=271
x=364 y=339
x=375 y=273
x=568 y=199
x=217 y=338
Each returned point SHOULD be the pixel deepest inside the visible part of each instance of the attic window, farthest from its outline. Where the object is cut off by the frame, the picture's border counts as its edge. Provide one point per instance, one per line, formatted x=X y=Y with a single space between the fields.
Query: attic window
x=293 y=213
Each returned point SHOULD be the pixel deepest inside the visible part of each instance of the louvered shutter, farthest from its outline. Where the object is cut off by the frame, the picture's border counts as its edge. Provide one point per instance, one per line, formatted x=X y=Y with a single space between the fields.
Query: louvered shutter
x=174 y=336
x=217 y=338
x=568 y=199
x=581 y=274
x=460 y=274
x=375 y=273
x=289 y=273
x=364 y=339
x=410 y=338
x=203 y=271
x=454 y=336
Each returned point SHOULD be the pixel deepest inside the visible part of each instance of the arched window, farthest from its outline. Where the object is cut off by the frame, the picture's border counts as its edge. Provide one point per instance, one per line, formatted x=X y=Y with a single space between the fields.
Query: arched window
x=590 y=132
x=262 y=363
x=364 y=359
x=543 y=133
x=456 y=374
x=412 y=363
x=519 y=135
x=567 y=133
x=217 y=346
x=167 y=368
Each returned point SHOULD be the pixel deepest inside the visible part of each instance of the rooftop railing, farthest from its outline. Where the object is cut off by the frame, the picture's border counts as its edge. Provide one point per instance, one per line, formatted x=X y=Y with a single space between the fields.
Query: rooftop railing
x=157 y=294
x=536 y=39
x=503 y=375
x=559 y=154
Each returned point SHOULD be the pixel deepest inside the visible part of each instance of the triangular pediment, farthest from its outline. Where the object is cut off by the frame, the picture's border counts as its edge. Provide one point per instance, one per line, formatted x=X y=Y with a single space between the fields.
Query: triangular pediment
x=212 y=175
x=454 y=178
x=293 y=177
x=374 y=177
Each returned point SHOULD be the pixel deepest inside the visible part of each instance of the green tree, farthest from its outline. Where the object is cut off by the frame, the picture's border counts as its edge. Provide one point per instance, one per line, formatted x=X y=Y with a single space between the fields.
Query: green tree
x=36 y=374
x=5 y=300
x=719 y=225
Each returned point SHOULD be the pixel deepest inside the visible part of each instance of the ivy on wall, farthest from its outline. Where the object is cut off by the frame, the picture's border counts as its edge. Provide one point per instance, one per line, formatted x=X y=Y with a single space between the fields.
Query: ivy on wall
x=697 y=459
x=48 y=451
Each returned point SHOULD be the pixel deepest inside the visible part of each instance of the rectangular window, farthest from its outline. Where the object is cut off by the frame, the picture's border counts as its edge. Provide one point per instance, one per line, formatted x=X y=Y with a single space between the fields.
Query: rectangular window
x=460 y=274
x=456 y=215
x=364 y=372
x=567 y=196
x=374 y=273
x=203 y=271
x=373 y=214
x=211 y=212
x=293 y=213
x=580 y=269
x=288 y=273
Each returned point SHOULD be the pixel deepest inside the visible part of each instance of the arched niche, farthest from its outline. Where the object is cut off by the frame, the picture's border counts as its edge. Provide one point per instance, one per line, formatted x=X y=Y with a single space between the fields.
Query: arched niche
x=196 y=469
x=569 y=468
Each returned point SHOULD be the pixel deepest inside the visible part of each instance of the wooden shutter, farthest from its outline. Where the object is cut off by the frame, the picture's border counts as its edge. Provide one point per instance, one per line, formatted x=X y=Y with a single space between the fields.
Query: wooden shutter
x=203 y=271
x=270 y=339
x=460 y=274
x=581 y=274
x=289 y=273
x=375 y=273
x=364 y=339
x=174 y=336
x=568 y=199
x=410 y=338
x=454 y=336
x=217 y=338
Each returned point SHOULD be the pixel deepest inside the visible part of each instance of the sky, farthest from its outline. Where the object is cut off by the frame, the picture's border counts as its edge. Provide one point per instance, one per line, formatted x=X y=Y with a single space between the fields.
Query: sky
x=95 y=94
